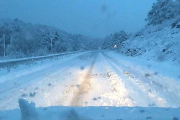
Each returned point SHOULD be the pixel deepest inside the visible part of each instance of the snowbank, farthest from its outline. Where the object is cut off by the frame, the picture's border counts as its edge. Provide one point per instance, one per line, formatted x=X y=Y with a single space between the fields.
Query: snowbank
x=29 y=112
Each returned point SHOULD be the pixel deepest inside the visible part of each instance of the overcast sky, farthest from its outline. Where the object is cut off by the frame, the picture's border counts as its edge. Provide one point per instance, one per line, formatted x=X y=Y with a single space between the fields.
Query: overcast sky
x=97 y=18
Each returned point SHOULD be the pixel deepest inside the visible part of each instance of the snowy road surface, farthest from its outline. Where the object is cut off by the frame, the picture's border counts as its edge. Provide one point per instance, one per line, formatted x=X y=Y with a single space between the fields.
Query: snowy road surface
x=97 y=78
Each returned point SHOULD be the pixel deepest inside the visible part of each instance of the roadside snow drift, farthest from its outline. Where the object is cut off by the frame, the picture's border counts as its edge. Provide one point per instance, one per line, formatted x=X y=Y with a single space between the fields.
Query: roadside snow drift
x=29 y=112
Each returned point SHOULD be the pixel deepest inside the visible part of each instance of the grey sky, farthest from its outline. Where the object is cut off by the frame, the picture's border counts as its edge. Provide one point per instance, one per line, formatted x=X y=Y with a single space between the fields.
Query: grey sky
x=97 y=18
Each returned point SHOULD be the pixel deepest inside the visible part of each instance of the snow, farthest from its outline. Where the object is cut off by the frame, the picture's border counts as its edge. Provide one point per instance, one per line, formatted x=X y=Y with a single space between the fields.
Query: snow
x=90 y=113
x=34 y=58
x=159 y=43
x=161 y=90
x=165 y=68
x=92 y=85
x=139 y=80
x=21 y=69
x=39 y=40
x=155 y=48
x=28 y=111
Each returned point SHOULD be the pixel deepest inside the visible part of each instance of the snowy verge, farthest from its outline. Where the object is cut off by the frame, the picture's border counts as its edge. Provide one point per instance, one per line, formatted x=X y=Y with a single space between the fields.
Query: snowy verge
x=29 y=112
x=164 y=68
x=33 y=67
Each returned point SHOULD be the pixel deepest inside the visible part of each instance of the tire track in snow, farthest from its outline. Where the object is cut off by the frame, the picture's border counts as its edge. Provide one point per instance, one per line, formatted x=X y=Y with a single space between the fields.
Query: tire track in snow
x=119 y=95
x=12 y=98
x=143 y=97
x=155 y=85
x=85 y=87
x=71 y=88
x=32 y=78
x=14 y=92
x=42 y=74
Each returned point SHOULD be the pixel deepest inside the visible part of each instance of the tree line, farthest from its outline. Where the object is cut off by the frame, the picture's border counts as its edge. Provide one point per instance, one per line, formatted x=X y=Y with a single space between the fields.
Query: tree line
x=19 y=39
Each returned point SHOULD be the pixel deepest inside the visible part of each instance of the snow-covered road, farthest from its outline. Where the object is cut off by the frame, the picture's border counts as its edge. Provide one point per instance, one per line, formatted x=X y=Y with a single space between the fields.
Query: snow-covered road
x=96 y=78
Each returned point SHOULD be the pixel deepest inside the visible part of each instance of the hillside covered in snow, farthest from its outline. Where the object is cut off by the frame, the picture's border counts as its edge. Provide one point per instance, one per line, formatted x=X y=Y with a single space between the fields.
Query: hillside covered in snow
x=158 y=40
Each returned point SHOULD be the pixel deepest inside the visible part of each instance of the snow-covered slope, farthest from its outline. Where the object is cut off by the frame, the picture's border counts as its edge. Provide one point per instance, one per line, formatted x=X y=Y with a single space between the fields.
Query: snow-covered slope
x=159 y=43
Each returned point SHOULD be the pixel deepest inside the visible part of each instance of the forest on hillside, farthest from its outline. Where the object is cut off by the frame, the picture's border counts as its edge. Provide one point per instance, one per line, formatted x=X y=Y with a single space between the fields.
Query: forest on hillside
x=19 y=39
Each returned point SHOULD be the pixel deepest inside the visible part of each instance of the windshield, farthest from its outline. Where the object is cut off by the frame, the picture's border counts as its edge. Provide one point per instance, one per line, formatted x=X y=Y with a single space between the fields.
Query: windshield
x=89 y=59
